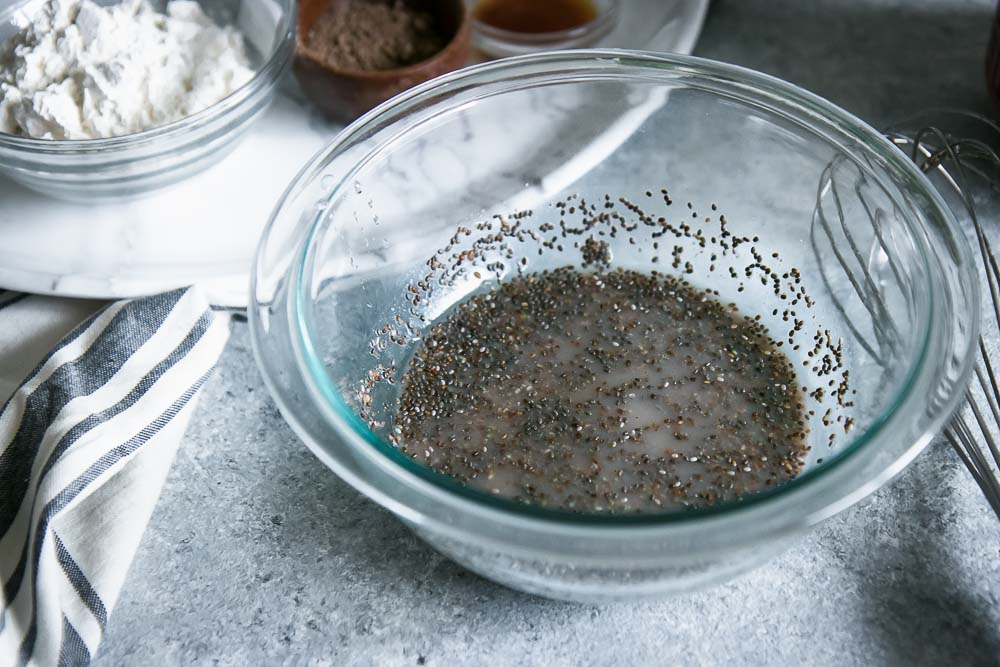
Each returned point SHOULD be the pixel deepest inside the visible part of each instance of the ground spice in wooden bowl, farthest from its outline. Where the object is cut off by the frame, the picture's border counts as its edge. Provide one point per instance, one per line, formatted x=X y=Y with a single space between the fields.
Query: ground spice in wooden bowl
x=374 y=35
x=351 y=55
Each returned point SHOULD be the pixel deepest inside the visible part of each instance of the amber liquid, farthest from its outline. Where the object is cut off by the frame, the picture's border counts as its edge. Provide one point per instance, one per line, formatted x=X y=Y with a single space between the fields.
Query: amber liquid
x=536 y=16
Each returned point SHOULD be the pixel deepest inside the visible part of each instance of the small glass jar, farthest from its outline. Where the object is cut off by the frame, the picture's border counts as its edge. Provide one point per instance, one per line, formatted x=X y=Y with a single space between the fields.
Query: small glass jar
x=497 y=42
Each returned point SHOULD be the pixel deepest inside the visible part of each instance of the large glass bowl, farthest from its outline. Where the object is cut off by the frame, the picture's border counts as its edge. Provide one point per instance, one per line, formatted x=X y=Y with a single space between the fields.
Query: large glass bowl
x=348 y=247
x=94 y=170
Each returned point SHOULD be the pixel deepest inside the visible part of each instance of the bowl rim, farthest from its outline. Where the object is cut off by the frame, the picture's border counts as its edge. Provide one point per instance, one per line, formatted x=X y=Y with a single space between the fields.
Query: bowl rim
x=780 y=91
x=267 y=74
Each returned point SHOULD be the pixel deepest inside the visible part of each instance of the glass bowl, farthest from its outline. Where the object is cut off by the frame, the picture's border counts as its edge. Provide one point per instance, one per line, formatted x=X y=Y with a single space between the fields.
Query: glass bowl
x=891 y=285
x=501 y=43
x=94 y=170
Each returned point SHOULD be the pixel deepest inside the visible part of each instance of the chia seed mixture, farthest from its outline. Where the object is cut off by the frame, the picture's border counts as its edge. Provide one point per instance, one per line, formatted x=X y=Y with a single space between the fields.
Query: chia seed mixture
x=614 y=391
x=607 y=390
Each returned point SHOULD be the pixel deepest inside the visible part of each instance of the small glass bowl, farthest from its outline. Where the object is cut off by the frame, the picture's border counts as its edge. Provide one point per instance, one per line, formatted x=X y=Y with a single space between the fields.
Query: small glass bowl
x=117 y=168
x=499 y=43
x=891 y=280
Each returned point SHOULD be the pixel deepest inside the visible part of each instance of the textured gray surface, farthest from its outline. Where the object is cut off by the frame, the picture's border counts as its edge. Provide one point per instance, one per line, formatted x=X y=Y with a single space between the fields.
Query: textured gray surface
x=258 y=555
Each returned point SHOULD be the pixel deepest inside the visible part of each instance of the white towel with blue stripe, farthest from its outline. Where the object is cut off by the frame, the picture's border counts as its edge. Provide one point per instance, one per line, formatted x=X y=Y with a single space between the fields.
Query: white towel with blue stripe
x=86 y=441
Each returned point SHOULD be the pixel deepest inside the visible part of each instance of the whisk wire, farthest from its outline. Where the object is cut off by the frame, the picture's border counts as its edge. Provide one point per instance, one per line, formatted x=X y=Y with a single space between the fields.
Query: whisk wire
x=974 y=430
x=934 y=150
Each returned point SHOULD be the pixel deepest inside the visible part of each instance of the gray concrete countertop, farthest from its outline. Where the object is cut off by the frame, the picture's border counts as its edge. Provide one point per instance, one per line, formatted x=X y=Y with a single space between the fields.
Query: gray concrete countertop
x=257 y=554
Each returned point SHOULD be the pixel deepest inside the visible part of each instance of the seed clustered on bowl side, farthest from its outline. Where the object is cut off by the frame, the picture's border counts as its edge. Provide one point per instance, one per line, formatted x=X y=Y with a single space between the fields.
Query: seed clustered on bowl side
x=598 y=389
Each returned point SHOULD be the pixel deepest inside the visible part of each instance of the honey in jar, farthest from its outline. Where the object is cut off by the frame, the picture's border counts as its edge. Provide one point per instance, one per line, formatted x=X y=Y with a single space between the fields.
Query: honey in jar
x=532 y=16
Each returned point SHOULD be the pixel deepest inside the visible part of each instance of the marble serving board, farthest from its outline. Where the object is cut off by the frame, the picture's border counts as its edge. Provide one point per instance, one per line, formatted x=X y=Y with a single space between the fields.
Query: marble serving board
x=204 y=231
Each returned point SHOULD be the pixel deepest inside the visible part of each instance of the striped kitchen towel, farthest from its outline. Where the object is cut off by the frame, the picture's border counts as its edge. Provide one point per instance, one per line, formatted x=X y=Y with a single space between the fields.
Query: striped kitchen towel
x=85 y=444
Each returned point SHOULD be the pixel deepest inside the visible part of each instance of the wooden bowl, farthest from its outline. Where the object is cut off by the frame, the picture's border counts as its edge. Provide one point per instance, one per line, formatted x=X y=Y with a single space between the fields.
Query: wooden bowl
x=345 y=94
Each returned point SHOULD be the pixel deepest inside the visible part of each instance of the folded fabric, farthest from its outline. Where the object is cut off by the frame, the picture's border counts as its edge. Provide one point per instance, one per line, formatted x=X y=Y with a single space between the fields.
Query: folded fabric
x=30 y=326
x=86 y=441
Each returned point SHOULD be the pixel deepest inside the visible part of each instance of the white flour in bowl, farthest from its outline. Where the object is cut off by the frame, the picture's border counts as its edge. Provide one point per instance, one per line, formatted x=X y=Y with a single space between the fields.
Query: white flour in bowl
x=82 y=71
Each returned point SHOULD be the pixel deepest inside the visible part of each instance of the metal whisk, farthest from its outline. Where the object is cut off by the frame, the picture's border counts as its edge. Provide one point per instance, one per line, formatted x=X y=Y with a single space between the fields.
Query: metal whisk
x=964 y=161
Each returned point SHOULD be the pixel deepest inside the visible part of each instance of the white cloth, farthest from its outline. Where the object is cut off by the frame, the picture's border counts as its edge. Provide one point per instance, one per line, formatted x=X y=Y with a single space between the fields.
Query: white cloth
x=86 y=440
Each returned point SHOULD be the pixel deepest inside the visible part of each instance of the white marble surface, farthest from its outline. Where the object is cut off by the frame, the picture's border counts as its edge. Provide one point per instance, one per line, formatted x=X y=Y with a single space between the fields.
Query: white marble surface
x=204 y=231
